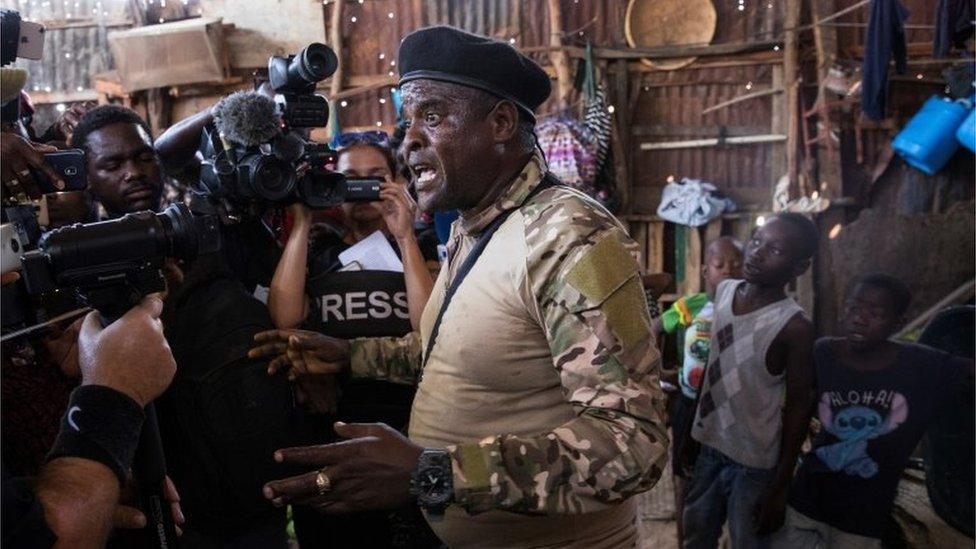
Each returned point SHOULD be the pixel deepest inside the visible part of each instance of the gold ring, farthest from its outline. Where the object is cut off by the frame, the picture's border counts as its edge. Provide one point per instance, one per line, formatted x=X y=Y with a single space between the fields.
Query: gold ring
x=323 y=482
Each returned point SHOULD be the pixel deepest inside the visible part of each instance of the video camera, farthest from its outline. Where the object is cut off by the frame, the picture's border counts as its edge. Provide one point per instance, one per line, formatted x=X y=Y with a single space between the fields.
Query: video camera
x=111 y=265
x=256 y=151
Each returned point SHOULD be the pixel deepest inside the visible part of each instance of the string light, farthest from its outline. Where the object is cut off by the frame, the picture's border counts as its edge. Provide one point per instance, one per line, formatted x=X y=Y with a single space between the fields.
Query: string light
x=390 y=73
x=353 y=19
x=390 y=15
x=378 y=124
x=834 y=231
x=749 y=85
x=80 y=88
x=382 y=100
x=610 y=109
x=511 y=40
x=775 y=48
x=919 y=76
x=382 y=56
x=60 y=107
x=760 y=221
x=344 y=103
x=393 y=63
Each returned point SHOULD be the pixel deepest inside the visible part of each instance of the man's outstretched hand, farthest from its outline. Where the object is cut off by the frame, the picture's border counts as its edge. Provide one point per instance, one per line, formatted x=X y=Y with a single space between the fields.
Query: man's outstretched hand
x=301 y=352
x=369 y=471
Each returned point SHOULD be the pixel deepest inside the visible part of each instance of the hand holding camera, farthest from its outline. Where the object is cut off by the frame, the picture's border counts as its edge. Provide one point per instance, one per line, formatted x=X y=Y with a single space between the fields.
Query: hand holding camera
x=130 y=355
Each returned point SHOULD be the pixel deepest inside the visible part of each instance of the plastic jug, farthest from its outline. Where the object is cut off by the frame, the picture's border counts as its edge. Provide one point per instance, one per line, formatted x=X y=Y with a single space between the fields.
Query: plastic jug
x=966 y=134
x=929 y=139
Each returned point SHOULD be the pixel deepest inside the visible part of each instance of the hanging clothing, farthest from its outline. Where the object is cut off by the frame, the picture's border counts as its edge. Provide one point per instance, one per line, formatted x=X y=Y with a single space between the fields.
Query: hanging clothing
x=953 y=25
x=885 y=37
x=693 y=203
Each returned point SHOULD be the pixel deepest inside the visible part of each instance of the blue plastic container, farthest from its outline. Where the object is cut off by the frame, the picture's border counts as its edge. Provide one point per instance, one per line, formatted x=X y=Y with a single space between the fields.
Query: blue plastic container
x=929 y=139
x=966 y=134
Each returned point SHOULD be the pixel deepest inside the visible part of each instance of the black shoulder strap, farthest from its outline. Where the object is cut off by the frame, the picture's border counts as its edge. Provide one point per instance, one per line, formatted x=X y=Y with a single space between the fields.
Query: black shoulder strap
x=548 y=181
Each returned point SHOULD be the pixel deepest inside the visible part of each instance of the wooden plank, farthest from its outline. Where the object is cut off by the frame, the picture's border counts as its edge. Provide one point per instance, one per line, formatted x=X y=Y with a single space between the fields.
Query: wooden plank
x=666 y=52
x=713 y=231
x=777 y=125
x=560 y=60
x=680 y=130
x=791 y=77
x=655 y=247
x=830 y=183
x=693 y=261
x=638 y=232
x=48 y=98
x=713 y=142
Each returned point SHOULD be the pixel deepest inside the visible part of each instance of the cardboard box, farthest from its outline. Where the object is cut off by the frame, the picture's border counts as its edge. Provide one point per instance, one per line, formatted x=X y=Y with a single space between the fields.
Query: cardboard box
x=183 y=52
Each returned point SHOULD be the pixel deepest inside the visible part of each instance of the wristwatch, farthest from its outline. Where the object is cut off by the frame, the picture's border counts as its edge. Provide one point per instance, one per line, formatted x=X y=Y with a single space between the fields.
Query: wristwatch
x=432 y=482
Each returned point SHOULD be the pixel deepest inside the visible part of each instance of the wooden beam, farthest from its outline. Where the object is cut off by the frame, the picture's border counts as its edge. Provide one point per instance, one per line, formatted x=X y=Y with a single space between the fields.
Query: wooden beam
x=791 y=81
x=48 y=98
x=560 y=60
x=693 y=261
x=655 y=246
x=660 y=130
x=960 y=294
x=741 y=98
x=335 y=37
x=64 y=24
x=666 y=52
x=829 y=177
x=713 y=142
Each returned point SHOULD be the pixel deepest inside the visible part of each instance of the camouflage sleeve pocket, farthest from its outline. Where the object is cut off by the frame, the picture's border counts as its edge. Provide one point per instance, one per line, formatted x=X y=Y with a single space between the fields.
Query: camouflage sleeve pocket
x=610 y=291
x=601 y=271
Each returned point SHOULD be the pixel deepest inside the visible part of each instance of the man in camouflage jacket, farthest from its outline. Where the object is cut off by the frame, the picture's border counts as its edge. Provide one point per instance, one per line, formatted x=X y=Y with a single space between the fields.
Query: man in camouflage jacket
x=541 y=391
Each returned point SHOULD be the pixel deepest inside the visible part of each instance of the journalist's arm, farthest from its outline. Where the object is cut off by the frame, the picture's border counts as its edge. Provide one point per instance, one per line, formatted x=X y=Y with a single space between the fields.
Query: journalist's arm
x=124 y=367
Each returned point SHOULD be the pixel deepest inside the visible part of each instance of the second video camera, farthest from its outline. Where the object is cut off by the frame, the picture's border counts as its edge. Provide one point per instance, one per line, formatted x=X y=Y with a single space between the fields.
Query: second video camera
x=257 y=149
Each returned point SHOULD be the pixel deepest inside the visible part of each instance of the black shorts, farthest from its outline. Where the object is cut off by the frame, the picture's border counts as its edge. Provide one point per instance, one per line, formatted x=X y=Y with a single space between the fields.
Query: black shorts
x=682 y=413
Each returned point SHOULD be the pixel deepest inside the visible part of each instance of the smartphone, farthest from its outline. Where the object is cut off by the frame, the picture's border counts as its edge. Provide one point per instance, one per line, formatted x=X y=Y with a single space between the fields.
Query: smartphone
x=31 y=42
x=70 y=165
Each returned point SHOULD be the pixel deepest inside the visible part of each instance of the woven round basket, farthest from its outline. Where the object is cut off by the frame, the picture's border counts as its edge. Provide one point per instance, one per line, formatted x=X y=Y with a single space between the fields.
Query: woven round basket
x=650 y=23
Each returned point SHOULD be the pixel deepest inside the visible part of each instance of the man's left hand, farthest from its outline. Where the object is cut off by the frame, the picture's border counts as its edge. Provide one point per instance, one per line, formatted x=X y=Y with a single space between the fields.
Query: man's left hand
x=369 y=471
x=770 y=512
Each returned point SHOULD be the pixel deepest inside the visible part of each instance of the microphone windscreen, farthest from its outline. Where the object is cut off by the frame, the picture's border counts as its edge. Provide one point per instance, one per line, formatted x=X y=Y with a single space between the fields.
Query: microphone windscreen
x=247 y=118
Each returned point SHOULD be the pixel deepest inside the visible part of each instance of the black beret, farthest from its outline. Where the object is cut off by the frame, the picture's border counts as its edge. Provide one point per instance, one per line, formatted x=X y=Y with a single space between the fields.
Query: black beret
x=452 y=55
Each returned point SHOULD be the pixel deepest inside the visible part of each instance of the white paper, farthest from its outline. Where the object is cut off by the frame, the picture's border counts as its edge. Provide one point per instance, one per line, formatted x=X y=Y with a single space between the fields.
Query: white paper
x=373 y=253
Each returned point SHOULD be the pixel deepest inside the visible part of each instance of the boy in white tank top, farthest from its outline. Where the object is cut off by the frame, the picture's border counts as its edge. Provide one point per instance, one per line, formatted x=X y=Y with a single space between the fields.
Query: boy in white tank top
x=755 y=401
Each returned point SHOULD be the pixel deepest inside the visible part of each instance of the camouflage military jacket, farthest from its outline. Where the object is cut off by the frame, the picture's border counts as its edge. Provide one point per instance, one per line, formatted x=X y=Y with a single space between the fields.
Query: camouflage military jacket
x=562 y=317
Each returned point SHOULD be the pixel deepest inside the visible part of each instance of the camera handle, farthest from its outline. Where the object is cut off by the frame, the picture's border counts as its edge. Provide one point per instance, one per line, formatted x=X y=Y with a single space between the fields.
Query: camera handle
x=149 y=464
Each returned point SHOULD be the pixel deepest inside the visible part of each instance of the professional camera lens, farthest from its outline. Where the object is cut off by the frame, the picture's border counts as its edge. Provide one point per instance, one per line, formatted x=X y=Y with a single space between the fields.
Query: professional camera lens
x=314 y=63
x=268 y=177
x=75 y=252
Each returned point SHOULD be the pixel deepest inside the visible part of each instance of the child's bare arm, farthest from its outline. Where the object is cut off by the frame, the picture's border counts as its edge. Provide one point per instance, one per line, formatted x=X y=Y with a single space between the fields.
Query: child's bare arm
x=795 y=358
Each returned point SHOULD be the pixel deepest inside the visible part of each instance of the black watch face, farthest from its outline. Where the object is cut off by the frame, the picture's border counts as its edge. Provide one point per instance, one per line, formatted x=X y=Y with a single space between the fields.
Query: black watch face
x=432 y=485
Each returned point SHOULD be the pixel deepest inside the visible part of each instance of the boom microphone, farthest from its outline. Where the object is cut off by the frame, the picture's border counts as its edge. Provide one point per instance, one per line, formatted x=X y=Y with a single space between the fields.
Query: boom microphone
x=247 y=118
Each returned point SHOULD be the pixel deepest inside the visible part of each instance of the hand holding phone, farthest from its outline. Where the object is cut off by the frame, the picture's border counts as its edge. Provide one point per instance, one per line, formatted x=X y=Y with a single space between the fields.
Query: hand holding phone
x=17 y=158
x=69 y=166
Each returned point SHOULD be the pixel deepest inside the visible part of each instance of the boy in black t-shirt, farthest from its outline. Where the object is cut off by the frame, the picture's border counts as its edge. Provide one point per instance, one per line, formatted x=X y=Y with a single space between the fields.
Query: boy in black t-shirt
x=875 y=400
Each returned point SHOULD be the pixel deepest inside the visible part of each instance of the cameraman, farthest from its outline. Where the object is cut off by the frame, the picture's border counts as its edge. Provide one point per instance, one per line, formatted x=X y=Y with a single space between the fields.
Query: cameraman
x=223 y=414
x=124 y=173
x=74 y=502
